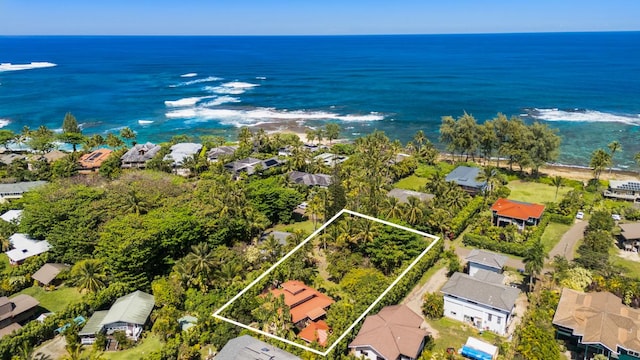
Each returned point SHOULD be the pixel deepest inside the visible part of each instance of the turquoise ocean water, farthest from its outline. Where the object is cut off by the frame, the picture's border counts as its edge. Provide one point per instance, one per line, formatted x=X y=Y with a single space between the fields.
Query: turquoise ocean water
x=587 y=85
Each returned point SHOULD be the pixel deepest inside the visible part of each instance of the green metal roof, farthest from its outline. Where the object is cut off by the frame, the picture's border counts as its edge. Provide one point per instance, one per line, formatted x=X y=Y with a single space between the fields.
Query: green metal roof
x=94 y=324
x=133 y=308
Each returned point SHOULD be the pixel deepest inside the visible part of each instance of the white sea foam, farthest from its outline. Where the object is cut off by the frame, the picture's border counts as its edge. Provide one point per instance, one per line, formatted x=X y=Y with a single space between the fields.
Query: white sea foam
x=145 y=122
x=221 y=100
x=231 y=88
x=261 y=78
x=4 y=122
x=240 y=117
x=583 y=116
x=33 y=65
x=197 y=81
x=185 y=102
x=188 y=75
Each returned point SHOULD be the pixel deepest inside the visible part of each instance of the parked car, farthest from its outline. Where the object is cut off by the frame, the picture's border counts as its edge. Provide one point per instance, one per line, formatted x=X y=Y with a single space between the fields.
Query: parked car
x=580 y=215
x=616 y=217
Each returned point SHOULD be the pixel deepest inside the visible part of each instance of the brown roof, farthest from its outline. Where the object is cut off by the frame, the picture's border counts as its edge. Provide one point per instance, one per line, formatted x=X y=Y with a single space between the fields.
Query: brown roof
x=395 y=330
x=54 y=155
x=630 y=231
x=17 y=305
x=94 y=160
x=304 y=302
x=600 y=318
x=517 y=210
x=9 y=329
x=315 y=331
x=48 y=272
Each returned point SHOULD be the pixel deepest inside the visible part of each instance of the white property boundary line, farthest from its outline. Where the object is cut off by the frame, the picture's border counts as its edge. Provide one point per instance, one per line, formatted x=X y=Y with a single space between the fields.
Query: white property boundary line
x=344 y=334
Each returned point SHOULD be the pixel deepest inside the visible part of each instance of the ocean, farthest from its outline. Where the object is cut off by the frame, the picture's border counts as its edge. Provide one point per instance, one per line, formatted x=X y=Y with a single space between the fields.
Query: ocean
x=586 y=85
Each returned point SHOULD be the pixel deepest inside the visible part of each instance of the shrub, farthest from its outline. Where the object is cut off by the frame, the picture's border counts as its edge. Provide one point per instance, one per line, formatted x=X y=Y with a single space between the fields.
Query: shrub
x=462 y=219
x=433 y=305
x=561 y=219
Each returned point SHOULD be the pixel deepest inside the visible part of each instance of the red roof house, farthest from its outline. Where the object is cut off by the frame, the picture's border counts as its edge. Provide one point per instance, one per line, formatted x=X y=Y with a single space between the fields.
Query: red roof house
x=518 y=213
x=306 y=306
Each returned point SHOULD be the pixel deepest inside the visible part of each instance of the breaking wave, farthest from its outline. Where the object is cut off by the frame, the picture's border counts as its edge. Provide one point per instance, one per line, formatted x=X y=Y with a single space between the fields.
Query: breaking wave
x=4 y=122
x=197 y=81
x=222 y=100
x=33 y=65
x=231 y=88
x=185 y=102
x=188 y=75
x=580 y=115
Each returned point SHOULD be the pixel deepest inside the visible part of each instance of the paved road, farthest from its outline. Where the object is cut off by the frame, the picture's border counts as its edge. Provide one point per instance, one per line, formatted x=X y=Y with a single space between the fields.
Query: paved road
x=565 y=247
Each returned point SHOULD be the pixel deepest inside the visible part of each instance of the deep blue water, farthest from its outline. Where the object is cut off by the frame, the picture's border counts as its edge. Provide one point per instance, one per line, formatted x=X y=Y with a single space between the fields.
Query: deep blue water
x=587 y=85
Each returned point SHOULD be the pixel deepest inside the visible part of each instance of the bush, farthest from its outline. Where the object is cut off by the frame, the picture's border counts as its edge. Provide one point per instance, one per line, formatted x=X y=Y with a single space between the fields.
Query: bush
x=433 y=306
x=485 y=242
x=561 y=219
x=462 y=219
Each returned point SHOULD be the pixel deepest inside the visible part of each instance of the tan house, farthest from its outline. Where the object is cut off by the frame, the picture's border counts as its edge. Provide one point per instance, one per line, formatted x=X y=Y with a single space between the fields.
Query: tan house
x=623 y=190
x=392 y=334
x=92 y=161
x=598 y=323
x=630 y=236
x=15 y=310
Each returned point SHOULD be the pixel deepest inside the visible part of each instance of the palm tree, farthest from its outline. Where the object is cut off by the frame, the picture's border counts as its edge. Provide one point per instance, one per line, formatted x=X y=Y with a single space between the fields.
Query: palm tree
x=200 y=262
x=89 y=275
x=128 y=135
x=490 y=176
x=135 y=203
x=557 y=181
x=414 y=210
x=534 y=261
x=419 y=139
x=600 y=159
x=310 y=134
x=613 y=147
x=394 y=208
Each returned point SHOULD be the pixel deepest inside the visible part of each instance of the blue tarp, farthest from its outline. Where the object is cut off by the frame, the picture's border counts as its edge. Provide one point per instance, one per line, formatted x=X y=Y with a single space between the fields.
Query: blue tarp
x=475 y=354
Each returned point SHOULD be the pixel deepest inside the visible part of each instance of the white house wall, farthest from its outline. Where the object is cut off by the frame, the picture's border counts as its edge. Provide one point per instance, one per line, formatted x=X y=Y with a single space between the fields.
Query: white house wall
x=367 y=352
x=457 y=309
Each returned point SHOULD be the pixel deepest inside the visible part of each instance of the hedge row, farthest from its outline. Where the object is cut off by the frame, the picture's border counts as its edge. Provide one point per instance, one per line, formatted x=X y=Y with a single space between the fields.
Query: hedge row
x=519 y=249
x=561 y=219
x=461 y=220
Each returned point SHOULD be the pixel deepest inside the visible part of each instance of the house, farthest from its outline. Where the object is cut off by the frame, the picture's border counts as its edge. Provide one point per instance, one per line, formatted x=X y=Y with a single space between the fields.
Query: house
x=394 y=333
x=403 y=195
x=308 y=179
x=128 y=313
x=48 y=272
x=485 y=260
x=518 y=213
x=251 y=165
x=477 y=349
x=246 y=347
x=25 y=247
x=15 y=190
x=53 y=155
x=630 y=236
x=481 y=300
x=598 y=323
x=12 y=216
x=623 y=190
x=138 y=156
x=17 y=309
x=330 y=160
x=179 y=152
x=8 y=158
x=216 y=153
x=306 y=306
x=465 y=177
x=92 y=161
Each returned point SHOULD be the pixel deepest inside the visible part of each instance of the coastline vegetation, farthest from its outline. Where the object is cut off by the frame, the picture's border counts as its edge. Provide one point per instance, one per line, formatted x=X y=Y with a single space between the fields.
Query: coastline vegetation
x=196 y=241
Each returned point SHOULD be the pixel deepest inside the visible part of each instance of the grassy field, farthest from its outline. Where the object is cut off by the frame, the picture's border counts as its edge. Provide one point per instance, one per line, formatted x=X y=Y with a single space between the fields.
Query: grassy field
x=552 y=235
x=412 y=182
x=631 y=267
x=146 y=346
x=53 y=301
x=454 y=334
x=306 y=226
x=535 y=192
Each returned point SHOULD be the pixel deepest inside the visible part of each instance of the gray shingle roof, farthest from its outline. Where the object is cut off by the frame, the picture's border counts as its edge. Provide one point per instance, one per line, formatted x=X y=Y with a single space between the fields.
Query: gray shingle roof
x=181 y=151
x=19 y=188
x=466 y=176
x=489 y=294
x=487 y=258
x=308 y=179
x=133 y=308
x=489 y=276
x=246 y=347
x=140 y=153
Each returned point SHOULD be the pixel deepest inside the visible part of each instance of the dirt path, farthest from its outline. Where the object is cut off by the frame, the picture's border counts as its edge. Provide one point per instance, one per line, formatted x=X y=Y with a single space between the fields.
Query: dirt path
x=52 y=349
x=414 y=299
x=565 y=247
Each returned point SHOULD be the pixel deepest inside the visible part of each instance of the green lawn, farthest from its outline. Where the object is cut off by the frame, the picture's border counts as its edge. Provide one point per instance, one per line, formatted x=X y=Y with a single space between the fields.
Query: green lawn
x=53 y=301
x=452 y=333
x=306 y=226
x=552 y=235
x=631 y=267
x=412 y=182
x=145 y=347
x=535 y=192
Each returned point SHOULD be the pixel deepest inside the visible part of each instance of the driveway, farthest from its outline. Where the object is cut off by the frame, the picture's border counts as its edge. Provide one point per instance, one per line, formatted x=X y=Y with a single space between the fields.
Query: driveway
x=414 y=299
x=565 y=247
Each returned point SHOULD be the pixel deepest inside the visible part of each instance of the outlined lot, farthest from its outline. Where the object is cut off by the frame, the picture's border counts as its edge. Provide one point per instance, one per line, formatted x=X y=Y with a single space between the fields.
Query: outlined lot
x=218 y=313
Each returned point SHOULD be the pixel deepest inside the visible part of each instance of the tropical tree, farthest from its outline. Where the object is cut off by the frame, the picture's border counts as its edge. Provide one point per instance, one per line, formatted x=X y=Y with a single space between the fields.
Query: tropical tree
x=614 y=146
x=128 y=135
x=488 y=139
x=600 y=159
x=135 y=203
x=557 y=181
x=42 y=139
x=89 y=275
x=200 y=263
x=310 y=134
x=71 y=131
x=414 y=211
x=543 y=145
x=6 y=137
x=332 y=131
x=490 y=175
x=534 y=261
x=448 y=134
x=394 y=208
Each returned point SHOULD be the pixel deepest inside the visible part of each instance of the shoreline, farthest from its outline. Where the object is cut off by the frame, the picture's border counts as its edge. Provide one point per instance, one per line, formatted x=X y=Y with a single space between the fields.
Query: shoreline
x=574 y=172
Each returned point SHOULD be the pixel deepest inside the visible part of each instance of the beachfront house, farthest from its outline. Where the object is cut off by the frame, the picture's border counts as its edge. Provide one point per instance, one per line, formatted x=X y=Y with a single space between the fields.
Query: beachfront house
x=251 y=165
x=520 y=214
x=24 y=247
x=485 y=260
x=623 y=190
x=465 y=177
x=307 y=307
x=15 y=190
x=178 y=153
x=15 y=310
x=598 y=323
x=91 y=162
x=480 y=300
x=138 y=156
x=128 y=313
x=246 y=347
x=308 y=179
x=394 y=333
x=403 y=195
